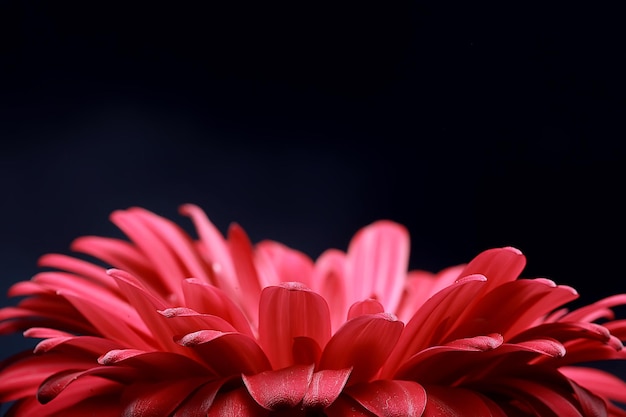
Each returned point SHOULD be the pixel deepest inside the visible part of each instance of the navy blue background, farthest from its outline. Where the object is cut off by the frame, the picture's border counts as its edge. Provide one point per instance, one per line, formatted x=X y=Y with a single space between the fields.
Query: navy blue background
x=474 y=125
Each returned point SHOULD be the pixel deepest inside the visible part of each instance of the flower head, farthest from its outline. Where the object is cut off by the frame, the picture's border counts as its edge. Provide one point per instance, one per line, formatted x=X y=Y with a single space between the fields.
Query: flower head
x=176 y=325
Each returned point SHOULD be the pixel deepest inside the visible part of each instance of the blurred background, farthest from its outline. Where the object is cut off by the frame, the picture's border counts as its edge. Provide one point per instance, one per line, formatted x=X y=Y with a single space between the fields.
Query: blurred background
x=475 y=126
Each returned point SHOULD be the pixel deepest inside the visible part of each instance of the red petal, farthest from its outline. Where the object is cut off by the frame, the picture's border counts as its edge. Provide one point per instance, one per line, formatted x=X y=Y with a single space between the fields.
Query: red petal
x=208 y=299
x=499 y=265
x=325 y=387
x=458 y=402
x=305 y=351
x=284 y=388
x=160 y=399
x=600 y=382
x=528 y=301
x=329 y=281
x=236 y=403
x=365 y=307
x=227 y=353
x=199 y=403
x=248 y=288
x=94 y=273
x=431 y=322
x=288 y=312
x=363 y=343
x=215 y=247
x=377 y=264
x=278 y=263
x=156 y=365
x=52 y=386
x=388 y=398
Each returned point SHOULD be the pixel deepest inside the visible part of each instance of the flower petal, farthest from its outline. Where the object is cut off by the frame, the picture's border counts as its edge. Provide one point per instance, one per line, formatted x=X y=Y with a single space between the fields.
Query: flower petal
x=287 y=312
x=325 y=387
x=227 y=353
x=284 y=388
x=278 y=263
x=360 y=308
x=390 y=398
x=431 y=322
x=363 y=343
x=206 y=298
x=378 y=257
x=237 y=402
x=159 y=399
x=499 y=265
x=329 y=281
x=459 y=402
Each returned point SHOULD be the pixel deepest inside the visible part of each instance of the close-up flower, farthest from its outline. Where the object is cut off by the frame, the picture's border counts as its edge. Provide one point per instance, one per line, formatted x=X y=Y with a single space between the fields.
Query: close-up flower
x=163 y=323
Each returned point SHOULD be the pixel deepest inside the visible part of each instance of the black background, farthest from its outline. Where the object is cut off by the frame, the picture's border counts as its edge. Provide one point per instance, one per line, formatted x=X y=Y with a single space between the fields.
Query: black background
x=475 y=125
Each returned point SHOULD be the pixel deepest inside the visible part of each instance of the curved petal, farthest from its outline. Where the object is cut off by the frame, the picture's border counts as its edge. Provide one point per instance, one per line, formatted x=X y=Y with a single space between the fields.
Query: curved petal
x=377 y=263
x=278 y=263
x=390 y=398
x=369 y=306
x=208 y=299
x=216 y=250
x=330 y=282
x=248 y=287
x=279 y=389
x=601 y=382
x=52 y=386
x=528 y=301
x=155 y=365
x=287 y=312
x=431 y=322
x=200 y=401
x=227 y=353
x=325 y=387
x=499 y=265
x=160 y=399
x=236 y=403
x=363 y=343
x=459 y=402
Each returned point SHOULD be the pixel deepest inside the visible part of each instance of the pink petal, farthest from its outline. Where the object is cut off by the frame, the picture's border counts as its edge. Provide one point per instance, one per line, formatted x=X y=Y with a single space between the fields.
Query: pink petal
x=441 y=364
x=288 y=312
x=305 y=350
x=94 y=273
x=208 y=299
x=598 y=381
x=458 y=402
x=528 y=301
x=160 y=399
x=377 y=264
x=122 y=255
x=153 y=245
x=227 y=353
x=431 y=322
x=186 y=320
x=499 y=265
x=419 y=287
x=215 y=248
x=329 y=281
x=365 y=307
x=236 y=403
x=21 y=375
x=248 y=288
x=284 y=388
x=52 y=386
x=155 y=365
x=363 y=343
x=199 y=403
x=278 y=263
x=388 y=398
x=325 y=387
x=119 y=329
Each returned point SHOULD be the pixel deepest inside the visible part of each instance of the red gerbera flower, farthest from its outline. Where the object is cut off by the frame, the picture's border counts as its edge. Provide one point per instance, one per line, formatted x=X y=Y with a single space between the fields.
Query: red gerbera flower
x=213 y=325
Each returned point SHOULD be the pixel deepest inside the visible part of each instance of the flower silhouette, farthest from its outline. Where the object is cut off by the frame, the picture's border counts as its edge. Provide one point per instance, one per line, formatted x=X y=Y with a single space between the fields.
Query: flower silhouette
x=166 y=324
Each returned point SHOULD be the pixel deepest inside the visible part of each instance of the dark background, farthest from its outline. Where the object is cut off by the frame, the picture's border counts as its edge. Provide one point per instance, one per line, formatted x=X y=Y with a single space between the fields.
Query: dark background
x=475 y=125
